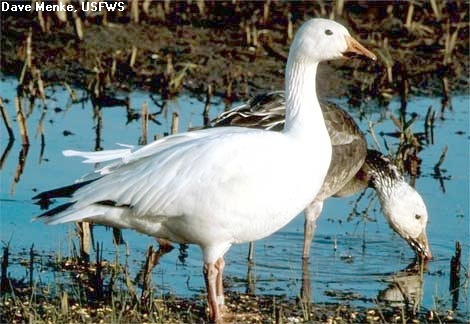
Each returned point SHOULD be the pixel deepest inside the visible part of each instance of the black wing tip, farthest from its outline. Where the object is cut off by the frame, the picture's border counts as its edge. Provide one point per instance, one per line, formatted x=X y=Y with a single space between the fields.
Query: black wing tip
x=55 y=210
x=62 y=192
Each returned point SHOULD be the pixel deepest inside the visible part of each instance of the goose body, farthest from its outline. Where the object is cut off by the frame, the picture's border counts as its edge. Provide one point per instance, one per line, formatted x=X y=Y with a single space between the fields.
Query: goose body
x=177 y=199
x=222 y=186
x=353 y=168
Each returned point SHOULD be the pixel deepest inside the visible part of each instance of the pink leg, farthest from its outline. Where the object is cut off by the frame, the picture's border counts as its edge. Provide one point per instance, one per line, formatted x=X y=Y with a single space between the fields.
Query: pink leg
x=210 y=276
x=311 y=214
x=305 y=290
x=220 y=265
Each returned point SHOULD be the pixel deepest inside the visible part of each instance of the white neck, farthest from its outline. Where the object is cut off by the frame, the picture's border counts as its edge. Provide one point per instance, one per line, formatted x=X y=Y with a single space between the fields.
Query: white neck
x=303 y=113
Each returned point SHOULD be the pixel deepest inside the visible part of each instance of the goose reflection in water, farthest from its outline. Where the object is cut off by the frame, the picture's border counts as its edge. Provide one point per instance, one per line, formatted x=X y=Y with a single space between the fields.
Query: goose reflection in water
x=405 y=289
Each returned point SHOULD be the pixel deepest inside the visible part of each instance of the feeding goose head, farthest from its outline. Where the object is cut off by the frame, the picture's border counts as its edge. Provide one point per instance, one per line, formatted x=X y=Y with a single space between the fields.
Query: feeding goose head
x=402 y=205
x=325 y=39
x=406 y=211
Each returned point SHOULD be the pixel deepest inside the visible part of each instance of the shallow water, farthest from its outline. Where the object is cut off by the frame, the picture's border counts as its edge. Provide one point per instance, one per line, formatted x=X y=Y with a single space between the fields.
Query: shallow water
x=359 y=271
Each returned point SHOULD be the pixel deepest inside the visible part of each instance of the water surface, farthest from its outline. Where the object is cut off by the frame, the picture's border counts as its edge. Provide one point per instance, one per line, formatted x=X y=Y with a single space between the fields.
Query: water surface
x=359 y=271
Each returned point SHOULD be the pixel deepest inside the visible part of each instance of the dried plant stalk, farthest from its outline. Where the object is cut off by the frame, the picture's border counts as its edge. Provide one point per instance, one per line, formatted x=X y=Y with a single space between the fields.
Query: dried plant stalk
x=84 y=236
x=290 y=27
x=207 y=106
x=175 y=123
x=145 y=117
x=21 y=122
x=133 y=56
x=409 y=15
x=6 y=120
x=135 y=11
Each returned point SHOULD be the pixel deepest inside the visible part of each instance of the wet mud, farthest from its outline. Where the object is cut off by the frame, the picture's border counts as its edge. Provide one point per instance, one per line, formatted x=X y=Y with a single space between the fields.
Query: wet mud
x=240 y=48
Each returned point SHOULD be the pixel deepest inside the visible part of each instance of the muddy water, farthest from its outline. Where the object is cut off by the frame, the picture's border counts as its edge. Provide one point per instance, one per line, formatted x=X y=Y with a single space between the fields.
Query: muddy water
x=354 y=259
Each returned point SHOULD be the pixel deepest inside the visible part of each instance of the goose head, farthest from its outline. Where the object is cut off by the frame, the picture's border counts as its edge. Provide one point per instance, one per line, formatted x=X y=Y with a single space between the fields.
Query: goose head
x=402 y=205
x=406 y=212
x=322 y=39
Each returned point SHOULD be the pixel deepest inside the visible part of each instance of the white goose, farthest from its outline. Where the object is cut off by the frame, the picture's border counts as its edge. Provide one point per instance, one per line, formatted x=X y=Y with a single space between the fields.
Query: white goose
x=221 y=186
x=352 y=168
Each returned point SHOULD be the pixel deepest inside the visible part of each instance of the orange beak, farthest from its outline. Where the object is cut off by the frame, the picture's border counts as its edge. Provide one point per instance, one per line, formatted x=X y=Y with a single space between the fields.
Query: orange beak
x=423 y=241
x=421 y=246
x=355 y=47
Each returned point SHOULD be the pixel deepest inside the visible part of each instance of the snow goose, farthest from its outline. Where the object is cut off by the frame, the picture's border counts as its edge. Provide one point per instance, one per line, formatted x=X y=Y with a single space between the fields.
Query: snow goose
x=352 y=169
x=221 y=186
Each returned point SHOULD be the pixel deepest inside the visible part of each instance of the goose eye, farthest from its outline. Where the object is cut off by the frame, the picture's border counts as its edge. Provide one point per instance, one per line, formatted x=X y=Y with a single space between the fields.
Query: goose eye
x=418 y=216
x=328 y=32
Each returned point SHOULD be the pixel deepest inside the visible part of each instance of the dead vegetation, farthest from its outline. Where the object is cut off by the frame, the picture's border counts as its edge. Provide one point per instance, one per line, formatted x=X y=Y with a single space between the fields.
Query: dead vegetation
x=240 y=47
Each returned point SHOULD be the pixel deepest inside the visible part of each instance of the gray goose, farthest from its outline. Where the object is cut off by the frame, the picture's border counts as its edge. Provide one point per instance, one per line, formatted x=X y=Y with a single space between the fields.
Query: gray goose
x=353 y=168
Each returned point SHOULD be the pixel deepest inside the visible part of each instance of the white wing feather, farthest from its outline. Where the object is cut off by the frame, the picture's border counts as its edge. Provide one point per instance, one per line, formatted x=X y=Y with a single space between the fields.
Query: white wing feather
x=200 y=173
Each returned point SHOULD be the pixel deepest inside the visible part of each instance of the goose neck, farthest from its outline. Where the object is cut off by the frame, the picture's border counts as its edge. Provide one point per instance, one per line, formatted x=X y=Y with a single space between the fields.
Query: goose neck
x=383 y=174
x=303 y=113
